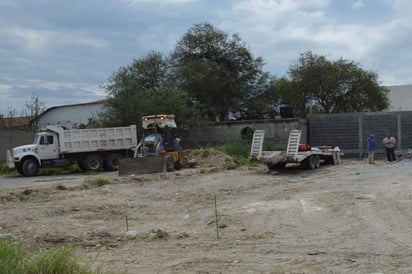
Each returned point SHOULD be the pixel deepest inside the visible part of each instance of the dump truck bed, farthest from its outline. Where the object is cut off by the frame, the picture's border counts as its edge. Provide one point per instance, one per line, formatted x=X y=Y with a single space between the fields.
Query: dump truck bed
x=95 y=139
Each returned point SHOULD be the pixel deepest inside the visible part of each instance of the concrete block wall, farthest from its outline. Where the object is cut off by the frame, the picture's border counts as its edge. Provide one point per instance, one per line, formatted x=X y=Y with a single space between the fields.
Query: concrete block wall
x=350 y=131
x=10 y=138
x=406 y=129
x=334 y=130
x=276 y=132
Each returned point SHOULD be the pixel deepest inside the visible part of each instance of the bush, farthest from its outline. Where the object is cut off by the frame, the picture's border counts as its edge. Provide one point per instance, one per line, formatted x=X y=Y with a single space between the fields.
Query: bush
x=11 y=257
x=239 y=148
x=4 y=169
x=58 y=260
x=95 y=182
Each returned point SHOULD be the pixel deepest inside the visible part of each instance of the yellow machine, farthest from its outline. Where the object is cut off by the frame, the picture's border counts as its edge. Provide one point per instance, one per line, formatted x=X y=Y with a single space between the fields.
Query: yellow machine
x=158 y=151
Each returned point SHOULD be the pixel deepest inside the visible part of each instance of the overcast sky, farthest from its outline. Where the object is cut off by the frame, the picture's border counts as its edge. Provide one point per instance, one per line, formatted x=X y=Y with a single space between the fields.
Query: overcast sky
x=64 y=50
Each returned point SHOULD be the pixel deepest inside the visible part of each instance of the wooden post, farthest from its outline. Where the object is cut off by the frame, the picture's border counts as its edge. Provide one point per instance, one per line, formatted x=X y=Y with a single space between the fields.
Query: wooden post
x=216 y=219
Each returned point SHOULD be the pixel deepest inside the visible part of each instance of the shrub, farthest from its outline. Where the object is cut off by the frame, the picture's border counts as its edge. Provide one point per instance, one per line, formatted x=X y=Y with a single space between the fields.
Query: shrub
x=95 y=182
x=57 y=260
x=11 y=257
x=4 y=169
x=239 y=148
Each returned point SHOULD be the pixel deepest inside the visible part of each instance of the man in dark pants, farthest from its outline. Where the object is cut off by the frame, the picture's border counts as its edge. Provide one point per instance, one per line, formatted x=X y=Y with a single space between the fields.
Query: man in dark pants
x=389 y=144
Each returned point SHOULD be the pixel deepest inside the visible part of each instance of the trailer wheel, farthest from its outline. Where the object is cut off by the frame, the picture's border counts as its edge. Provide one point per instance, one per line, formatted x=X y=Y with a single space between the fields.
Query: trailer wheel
x=111 y=163
x=30 y=167
x=309 y=163
x=317 y=161
x=168 y=163
x=93 y=163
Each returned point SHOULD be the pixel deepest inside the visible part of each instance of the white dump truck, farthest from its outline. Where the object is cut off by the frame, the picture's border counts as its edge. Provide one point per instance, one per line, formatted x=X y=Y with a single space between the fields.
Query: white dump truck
x=92 y=149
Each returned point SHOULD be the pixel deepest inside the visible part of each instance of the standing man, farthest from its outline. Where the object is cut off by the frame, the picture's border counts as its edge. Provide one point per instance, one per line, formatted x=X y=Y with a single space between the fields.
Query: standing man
x=371 y=149
x=389 y=144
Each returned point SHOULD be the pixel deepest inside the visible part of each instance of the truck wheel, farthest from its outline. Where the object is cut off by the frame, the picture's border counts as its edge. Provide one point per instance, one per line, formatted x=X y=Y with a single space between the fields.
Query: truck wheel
x=111 y=163
x=30 y=167
x=19 y=168
x=80 y=164
x=93 y=163
x=168 y=163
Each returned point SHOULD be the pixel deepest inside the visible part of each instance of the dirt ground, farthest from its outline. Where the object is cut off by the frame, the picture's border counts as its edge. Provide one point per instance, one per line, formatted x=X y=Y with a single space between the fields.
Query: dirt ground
x=352 y=218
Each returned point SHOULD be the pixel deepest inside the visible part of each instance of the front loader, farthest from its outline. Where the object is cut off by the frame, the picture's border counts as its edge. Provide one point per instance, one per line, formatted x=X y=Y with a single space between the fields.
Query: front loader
x=159 y=149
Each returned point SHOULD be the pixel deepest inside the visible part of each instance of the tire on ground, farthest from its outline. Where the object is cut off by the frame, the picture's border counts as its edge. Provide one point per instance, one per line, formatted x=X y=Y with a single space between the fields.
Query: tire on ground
x=168 y=163
x=178 y=164
x=309 y=162
x=93 y=163
x=317 y=161
x=81 y=165
x=19 y=168
x=30 y=167
x=111 y=163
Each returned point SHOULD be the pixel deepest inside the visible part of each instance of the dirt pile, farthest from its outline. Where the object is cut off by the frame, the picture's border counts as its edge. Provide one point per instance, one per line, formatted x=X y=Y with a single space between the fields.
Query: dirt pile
x=206 y=158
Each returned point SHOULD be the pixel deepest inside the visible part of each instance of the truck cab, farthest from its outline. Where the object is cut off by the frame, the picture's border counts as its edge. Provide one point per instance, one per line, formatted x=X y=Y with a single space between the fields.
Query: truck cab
x=28 y=158
x=47 y=144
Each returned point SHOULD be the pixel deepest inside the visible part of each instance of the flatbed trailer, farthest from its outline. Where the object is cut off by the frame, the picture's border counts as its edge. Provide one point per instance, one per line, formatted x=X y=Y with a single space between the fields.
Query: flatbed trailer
x=276 y=160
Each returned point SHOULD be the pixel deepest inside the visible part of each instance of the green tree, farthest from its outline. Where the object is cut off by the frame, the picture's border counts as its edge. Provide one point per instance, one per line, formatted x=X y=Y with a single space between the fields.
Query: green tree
x=220 y=74
x=143 y=88
x=320 y=85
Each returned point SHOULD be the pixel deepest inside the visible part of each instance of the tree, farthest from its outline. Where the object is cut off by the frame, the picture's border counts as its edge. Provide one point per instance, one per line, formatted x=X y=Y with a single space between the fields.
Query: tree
x=34 y=108
x=220 y=74
x=320 y=85
x=143 y=88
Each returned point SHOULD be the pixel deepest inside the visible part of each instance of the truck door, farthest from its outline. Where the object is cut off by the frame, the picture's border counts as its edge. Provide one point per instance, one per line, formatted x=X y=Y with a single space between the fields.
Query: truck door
x=48 y=147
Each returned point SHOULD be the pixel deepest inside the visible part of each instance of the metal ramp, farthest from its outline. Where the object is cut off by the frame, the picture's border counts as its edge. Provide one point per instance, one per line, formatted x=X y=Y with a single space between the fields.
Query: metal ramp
x=293 y=143
x=257 y=144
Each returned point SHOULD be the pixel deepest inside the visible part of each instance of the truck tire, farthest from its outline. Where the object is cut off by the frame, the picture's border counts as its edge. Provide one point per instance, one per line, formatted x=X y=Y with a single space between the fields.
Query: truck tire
x=19 y=168
x=30 y=167
x=80 y=164
x=111 y=163
x=93 y=163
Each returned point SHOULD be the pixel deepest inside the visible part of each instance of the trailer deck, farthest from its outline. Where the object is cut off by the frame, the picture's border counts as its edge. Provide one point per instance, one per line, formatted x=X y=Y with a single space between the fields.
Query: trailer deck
x=309 y=159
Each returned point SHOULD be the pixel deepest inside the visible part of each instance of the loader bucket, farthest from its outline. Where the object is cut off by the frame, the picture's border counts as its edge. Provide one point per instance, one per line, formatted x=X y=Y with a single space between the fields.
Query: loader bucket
x=135 y=166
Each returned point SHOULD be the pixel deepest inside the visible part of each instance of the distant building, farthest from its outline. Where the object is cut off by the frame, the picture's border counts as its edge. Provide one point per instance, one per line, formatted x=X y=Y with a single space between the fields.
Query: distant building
x=401 y=97
x=71 y=116
x=9 y=122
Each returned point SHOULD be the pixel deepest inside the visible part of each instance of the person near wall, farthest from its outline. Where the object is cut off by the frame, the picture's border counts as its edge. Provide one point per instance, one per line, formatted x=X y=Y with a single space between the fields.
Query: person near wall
x=389 y=144
x=371 y=149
